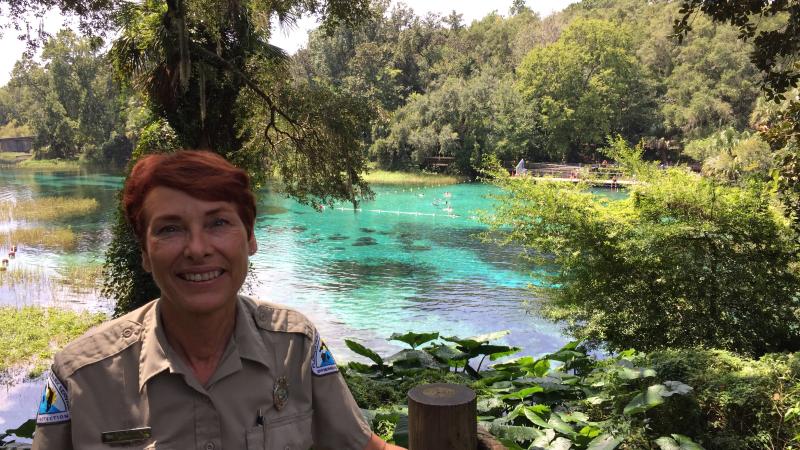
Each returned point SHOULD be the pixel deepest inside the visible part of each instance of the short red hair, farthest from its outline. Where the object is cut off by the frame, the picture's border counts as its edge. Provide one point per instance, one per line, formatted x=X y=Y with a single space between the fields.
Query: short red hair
x=201 y=174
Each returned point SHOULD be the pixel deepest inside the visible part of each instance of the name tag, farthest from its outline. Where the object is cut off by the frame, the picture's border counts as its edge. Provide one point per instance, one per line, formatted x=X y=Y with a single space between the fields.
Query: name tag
x=131 y=436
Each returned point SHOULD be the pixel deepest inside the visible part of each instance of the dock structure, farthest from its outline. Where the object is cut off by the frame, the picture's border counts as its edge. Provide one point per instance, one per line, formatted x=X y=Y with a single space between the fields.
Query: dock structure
x=595 y=175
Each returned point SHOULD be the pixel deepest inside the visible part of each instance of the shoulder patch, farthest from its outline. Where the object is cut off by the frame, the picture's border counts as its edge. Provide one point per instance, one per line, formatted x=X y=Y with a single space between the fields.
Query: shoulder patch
x=323 y=362
x=54 y=405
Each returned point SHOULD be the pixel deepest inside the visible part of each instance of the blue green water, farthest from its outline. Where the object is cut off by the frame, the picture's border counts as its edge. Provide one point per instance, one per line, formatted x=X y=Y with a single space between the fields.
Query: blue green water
x=408 y=260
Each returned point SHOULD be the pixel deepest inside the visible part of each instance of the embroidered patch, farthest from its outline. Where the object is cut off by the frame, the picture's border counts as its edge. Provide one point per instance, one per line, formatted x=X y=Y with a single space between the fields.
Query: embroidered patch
x=54 y=406
x=323 y=362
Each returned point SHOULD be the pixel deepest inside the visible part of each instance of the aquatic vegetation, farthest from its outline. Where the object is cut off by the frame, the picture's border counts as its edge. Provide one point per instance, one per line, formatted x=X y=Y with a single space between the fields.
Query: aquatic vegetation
x=49 y=164
x=47 y=208
x=411 y=179
x=21 y=276
x=59 y=238
x=82 y=277
x=31 y=335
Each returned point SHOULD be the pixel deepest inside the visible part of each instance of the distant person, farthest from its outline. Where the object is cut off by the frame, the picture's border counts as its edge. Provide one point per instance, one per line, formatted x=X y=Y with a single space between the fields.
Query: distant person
x=202 y=366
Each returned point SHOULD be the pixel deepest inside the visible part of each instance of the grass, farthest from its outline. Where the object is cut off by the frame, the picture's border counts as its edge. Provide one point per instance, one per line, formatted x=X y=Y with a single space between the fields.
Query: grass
x=13 y=157
x=410 y=179
x=82 y=277
x=31 y=335
x=50 y=164
x=56 y=238
x=47 y=208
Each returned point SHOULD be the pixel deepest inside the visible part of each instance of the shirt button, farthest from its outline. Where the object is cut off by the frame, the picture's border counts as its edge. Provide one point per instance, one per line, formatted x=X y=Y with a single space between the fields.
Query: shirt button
x=209 y=446
x=127 y=332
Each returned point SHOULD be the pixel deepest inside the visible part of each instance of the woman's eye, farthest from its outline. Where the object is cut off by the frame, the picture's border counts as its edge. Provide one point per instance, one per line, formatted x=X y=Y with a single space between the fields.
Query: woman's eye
x=167 y=229
x=219 y=222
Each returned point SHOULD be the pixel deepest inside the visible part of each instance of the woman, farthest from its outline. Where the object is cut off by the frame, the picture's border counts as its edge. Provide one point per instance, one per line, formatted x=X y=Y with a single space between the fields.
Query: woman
x=202 y=367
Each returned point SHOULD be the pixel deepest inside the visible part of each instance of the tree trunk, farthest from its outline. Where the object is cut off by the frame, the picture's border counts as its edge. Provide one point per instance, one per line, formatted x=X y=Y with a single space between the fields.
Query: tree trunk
x=442 y=416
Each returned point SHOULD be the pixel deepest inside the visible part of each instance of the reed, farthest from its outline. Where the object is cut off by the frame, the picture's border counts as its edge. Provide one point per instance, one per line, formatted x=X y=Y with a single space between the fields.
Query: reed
x=21 y=276
x=81 y=277
x=55 y=238
x=47 y=208
x=31 y=335
x=410 y=179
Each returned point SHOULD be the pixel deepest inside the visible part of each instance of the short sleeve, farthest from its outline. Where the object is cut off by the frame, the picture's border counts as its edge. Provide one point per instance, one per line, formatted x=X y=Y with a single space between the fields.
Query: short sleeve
x=338 y=423
x=53 y=425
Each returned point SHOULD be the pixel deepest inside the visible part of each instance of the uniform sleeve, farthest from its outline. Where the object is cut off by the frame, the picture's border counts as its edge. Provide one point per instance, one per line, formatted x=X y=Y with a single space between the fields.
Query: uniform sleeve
x=53 y=425
x=337 y=423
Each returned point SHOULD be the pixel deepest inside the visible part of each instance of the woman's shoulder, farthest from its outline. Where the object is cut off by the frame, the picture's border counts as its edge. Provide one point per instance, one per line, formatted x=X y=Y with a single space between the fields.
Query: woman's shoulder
x=100 y=342
x=277 y=318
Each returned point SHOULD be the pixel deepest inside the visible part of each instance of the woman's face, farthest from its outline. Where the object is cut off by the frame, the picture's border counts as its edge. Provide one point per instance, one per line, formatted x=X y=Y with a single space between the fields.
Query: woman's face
x=196 y=250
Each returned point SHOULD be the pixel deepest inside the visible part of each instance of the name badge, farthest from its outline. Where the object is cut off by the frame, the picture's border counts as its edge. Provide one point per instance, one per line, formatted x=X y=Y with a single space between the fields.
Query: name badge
x=132 y=436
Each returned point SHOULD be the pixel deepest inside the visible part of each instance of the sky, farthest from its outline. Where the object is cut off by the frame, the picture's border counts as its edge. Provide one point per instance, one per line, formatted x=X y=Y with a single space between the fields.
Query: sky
x=295 y=38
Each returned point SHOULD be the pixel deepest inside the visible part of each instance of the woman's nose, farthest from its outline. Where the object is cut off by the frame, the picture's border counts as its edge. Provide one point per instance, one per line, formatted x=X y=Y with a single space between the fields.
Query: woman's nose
x=197 y=245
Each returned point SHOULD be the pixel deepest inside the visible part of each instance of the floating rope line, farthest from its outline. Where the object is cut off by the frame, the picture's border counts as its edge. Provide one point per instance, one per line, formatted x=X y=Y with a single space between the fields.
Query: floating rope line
x=407 y=213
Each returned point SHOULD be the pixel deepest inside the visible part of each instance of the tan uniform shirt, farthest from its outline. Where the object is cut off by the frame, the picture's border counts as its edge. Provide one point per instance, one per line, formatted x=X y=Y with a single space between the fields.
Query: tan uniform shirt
x=125 y=376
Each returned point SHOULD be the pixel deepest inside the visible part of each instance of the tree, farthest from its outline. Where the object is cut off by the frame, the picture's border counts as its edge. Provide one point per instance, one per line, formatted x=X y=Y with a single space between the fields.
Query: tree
x=586 y=85
x=207 y=69
x=682 y=262
x=774 y=27
x=68 y=99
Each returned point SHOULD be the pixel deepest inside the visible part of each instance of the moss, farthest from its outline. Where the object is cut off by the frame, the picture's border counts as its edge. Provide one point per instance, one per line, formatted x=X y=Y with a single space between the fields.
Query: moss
x=31 y=335
x=47 y=208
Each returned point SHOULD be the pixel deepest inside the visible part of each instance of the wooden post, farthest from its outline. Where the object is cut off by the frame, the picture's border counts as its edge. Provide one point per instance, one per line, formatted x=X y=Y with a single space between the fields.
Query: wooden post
x=442 y=416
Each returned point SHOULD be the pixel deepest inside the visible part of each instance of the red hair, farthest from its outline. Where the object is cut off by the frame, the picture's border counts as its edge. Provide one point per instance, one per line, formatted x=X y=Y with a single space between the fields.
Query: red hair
x=201 y=174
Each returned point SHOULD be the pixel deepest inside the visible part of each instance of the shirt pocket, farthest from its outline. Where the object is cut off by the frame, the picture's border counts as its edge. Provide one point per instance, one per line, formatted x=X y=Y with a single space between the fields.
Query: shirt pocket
x=289 y=433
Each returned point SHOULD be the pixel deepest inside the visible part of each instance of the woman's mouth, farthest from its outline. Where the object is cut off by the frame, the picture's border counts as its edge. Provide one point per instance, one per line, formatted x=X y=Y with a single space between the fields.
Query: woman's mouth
x=201 y=276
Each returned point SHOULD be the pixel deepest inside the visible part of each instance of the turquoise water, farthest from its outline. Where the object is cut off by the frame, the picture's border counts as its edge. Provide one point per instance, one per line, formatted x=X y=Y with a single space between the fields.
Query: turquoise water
x=408 y=260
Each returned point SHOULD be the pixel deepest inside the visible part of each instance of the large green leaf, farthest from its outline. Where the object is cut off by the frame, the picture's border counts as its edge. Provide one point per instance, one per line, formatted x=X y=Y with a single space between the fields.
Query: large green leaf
x=560 y=443
x=25 y=430
x=521 y=394
x=400 y=435
x=542 y=442
x=677 y=442
x=604 y=442
x=535 y=418
x=408 y=359
x=471 y=343
x=650 y=398
x=364 y=351
x=559 y=425
x=446 y=353
x=514 y=433
x=414 y=339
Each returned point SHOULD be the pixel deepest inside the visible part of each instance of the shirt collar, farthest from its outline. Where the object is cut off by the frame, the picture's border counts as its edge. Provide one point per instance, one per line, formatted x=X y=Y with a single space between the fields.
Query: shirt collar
x=247 y=343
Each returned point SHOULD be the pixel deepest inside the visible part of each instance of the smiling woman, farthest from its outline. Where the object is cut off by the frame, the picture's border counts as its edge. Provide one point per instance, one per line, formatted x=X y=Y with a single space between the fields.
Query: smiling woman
x=202 y=363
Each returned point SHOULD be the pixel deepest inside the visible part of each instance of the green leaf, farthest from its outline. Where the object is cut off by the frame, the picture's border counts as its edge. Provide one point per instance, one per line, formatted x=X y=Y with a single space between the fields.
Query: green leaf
x=521 y=394
x=502 y=354
x=400 y=435
x=359 y=367
x=25 y=430
x=648 y=399
x=677 y=442
x=445 y=353
x=604 y=442
x=676 y=387
x=543 y=441
x=514 y=433
x=408 y=359
x=363 y=351
x=534 y=418
x=560 y=443
x=559 y=425
x=414 y=339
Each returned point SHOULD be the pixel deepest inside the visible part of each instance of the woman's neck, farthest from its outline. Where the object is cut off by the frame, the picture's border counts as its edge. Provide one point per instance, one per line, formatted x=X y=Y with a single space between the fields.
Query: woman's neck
x=200 y=341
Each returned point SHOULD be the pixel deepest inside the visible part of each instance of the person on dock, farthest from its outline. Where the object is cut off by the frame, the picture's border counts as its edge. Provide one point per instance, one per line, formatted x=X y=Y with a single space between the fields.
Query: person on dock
x=202 y=367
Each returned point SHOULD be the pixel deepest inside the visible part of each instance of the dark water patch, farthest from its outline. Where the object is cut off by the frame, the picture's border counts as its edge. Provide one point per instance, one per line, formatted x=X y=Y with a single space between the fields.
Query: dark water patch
x=363 y=241
x=338 y=249
x=380 y=271
x=417 y=248
x=299 y=228
x=338 y=237
x=366 y=230
x=272 y=210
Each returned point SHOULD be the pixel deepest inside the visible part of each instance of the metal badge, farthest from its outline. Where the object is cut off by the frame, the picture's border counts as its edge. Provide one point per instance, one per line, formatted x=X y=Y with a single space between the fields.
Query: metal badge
x=131 y=436
x=280 y=393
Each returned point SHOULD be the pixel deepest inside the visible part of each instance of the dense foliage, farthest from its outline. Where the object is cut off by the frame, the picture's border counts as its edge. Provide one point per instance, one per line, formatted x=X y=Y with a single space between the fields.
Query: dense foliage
x=683 y=261
x=688 y=399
